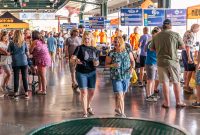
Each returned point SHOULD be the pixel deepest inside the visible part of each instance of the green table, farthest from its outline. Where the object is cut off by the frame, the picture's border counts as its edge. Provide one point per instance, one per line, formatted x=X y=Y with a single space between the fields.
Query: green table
x=83 y=126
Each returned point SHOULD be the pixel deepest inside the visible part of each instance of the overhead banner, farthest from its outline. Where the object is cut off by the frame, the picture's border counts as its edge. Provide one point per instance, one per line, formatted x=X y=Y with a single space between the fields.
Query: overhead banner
x=177 y=16
x=37 y=16
x=154 y=17
x=69 y=26
x=86 y=24
x=193 y=12
x=47 y=16
x=97 y=22
x=131 y=17
x=114 y=21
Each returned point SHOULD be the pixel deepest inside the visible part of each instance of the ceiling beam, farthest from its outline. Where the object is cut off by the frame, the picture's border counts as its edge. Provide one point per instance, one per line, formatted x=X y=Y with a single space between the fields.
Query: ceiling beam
x=86 y=2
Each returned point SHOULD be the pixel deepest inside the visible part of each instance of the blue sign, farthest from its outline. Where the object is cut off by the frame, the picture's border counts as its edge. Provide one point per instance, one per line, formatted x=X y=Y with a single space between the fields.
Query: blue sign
x=154 y=17
x=69 y=25
x=177 y=16
x=82 y=21
x=107 y=23
x=86 y=24
x=131 y=17
x=97 y=22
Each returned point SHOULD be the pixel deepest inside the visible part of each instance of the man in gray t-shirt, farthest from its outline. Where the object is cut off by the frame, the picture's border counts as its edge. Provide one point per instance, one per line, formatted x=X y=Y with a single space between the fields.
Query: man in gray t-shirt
x=71 y=44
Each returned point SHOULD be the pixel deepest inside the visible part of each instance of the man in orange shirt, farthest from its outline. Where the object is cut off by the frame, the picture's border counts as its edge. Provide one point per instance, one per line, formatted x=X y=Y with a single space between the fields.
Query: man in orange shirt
x=95 y=37
x=134 y=39
x=103 y=37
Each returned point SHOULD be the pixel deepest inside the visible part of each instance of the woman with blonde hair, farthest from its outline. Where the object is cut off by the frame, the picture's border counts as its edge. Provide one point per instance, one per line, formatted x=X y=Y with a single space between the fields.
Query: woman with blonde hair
x=19 y=52
x=5 y=60
x=121 y=62
x=86 y=58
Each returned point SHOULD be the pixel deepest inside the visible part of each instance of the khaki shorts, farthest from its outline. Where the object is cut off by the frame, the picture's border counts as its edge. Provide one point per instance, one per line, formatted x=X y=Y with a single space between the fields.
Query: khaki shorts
x=170 y=73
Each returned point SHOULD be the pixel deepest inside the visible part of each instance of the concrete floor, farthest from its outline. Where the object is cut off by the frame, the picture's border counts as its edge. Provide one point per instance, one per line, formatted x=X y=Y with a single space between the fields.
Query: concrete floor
x=18 y=118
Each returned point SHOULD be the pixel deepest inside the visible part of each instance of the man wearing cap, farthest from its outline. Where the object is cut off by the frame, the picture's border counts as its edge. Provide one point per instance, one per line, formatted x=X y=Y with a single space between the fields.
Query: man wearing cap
x=187 y=56
x=166 y=45
x=81 y=29
x=71 y=43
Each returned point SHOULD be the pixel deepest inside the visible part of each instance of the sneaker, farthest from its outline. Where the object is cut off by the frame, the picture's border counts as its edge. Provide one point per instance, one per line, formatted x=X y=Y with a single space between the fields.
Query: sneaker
x=85 y=115
x=151 y=99
x=2 y=96
x=196 y=104
x=118 y=113
x=155 y=95
x=26 y=96
x=8 y=88
x=90 y=111
x=75 y=88
x=123 y=116
x=16 y=97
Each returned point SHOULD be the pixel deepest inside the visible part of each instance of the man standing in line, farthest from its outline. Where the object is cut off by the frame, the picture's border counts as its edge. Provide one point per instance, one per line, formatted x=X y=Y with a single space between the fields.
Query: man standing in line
x=166 y=45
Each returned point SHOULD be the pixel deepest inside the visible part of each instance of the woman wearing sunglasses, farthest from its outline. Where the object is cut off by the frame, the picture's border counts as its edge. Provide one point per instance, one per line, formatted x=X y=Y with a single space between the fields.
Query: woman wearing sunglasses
x=86 y=58
x=121 y=63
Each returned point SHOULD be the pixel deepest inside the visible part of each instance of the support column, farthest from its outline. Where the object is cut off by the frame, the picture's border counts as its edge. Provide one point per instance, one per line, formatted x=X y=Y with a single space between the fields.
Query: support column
x=164 y=3
x=104 y=9
x=80 y=16
x=58 y=23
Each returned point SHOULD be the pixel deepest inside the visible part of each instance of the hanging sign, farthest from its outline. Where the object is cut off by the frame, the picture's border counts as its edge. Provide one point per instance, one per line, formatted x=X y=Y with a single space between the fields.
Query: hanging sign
x=154 y=17
x=131 y=17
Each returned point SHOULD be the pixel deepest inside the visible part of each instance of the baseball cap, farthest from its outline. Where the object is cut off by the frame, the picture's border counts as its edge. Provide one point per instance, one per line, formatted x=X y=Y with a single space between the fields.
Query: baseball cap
x=167 y=21
x=81 y=26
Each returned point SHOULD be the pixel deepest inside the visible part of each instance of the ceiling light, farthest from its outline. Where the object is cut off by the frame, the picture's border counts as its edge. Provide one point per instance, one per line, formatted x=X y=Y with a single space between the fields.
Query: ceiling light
x=5 y=6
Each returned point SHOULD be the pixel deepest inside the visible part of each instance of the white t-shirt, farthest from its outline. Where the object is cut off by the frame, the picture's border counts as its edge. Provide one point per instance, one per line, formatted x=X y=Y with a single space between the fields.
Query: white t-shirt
x=4 y=60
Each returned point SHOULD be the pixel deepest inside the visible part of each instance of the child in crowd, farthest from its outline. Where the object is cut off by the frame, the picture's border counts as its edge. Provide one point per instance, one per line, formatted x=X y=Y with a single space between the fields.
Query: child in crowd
x=151 y=70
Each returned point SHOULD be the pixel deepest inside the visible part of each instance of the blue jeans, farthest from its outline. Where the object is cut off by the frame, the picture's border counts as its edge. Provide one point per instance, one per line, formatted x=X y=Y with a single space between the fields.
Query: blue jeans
x=86 y=80
x=120 y=85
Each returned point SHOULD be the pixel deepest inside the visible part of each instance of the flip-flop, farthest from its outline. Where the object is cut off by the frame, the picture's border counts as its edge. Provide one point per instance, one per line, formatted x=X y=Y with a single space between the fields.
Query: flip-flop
x=165 y=106
x=180 y=105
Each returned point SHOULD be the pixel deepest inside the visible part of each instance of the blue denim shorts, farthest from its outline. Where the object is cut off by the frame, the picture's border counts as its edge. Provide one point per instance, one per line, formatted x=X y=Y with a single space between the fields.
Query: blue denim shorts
x=120 y=85
x=86 y=80
x=198 y=77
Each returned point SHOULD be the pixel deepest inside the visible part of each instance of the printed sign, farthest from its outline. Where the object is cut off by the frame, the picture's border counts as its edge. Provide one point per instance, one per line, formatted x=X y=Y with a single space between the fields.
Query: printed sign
x=97 y=22
x=177 y=16
x=154 y=17
x=131 y=17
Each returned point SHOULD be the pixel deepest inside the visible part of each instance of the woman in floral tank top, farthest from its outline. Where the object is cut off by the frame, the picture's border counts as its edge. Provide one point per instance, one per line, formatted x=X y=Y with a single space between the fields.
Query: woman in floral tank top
x=121 y=64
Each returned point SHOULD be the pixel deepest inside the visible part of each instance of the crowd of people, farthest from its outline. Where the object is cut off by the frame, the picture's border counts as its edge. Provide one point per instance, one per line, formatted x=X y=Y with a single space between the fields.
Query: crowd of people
x=155 y=54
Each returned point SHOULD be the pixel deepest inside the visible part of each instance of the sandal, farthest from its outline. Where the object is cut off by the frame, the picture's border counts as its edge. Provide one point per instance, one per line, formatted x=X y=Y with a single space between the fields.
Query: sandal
x=188 y=90
x=165 y=106
x=180 y=105
x=41 y=92
x=196 y=104
x=90 y=111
